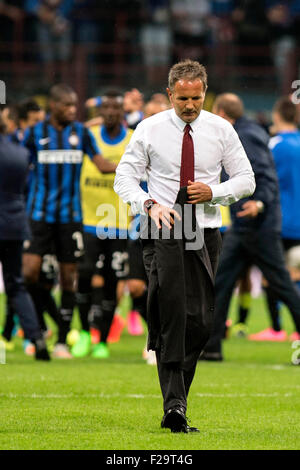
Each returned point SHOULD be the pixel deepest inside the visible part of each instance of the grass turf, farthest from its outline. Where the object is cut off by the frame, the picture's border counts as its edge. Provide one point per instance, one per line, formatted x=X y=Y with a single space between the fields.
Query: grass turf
x=250 y=401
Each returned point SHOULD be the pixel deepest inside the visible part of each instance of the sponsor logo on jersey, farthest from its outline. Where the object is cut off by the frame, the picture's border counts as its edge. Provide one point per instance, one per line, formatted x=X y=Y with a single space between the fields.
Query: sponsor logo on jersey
x=60 y=156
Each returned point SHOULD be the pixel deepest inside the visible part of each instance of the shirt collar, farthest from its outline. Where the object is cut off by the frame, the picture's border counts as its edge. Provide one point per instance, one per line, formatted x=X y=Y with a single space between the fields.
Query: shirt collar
x=181 y=124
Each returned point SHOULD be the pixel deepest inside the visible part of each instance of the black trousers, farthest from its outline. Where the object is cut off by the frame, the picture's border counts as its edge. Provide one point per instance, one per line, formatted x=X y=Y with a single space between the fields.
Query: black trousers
x=265 y=250
x=11 y=259
x=175 y=381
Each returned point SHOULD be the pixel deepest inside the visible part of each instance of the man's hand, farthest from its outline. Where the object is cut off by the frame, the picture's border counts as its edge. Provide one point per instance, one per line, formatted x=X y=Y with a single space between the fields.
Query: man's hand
x=198 y=192
x=163 y=214
x=250 y=209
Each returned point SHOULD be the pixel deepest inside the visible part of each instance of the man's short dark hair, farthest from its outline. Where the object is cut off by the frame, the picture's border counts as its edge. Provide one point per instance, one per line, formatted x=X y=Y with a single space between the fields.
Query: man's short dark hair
x=27 y=106
x=187 y=69
x=286 y=110
x=113 y=93
x=57 y=92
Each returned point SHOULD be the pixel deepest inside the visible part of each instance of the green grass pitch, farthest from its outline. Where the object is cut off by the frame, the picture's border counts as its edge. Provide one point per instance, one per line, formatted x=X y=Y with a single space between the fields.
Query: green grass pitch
x=251 y=401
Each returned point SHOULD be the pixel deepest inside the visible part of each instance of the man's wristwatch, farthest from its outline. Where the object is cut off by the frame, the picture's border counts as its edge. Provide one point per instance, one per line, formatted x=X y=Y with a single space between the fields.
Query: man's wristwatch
x=260 y=206
x=148 y=204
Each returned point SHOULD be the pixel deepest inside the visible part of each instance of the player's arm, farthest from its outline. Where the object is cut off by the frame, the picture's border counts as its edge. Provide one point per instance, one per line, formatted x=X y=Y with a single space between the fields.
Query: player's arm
x=91 y=148
x=29 y=143
x=93 y=102
x=103 y=165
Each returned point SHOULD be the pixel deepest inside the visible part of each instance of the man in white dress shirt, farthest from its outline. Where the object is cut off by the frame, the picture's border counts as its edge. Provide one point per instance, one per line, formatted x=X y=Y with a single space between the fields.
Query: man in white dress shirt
x=183 y=149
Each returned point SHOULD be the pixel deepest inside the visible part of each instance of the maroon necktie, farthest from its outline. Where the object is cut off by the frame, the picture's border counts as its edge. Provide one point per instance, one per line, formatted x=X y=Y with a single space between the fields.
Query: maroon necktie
x=187 y=158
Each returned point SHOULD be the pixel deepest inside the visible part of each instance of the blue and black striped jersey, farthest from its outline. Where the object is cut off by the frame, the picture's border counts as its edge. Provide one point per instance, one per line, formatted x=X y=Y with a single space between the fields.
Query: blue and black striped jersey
x=54 y=195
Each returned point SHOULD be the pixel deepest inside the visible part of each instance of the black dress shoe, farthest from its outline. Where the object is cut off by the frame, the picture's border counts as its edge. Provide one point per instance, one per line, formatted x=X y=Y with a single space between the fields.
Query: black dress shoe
x=175 y=420
x=211 y=356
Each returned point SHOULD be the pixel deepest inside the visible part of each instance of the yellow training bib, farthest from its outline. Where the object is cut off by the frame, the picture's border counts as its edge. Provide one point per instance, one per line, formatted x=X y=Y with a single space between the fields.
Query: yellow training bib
x=101 y=206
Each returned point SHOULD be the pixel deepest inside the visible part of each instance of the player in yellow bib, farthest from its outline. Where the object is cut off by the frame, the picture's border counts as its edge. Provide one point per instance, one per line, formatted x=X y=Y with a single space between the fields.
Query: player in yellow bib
x=105 y=224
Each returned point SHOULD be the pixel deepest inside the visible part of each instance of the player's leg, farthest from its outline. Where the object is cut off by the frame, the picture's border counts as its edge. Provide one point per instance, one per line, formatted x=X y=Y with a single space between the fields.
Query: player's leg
x=271 y=261
x=84 y=294
x=137 y=283
x=11 y=258
x=35 y=249
x=233 y=261
x=115 y=269
x=33 y=252
x=68 y=243
x=48 y=279
x=9 y=325
x=240 y=328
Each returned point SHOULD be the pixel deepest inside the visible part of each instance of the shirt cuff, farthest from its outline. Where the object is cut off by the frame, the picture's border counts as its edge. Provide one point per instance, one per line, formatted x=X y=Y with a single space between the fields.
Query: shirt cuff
x=218 y=196
x=137 y=207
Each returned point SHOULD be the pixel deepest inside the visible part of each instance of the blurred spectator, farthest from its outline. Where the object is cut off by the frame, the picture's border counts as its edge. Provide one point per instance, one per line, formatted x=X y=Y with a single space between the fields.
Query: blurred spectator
x=88 y=27
x=156 y=39
x=11 y=16
x=12 y=10
x=54 y=34
x=94 y=29
x=252 y=32
x=221 y=37
x=220 y=20
x=190 y=28
x=281 y=19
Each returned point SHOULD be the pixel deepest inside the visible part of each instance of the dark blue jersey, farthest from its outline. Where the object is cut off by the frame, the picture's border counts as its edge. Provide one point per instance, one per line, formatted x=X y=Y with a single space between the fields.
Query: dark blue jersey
x=16 y=137
x=14 y=161
x=54 y=195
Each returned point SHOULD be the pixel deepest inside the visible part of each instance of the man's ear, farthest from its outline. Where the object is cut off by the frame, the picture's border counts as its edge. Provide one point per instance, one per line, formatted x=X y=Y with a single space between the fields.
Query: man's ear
x=169 y=94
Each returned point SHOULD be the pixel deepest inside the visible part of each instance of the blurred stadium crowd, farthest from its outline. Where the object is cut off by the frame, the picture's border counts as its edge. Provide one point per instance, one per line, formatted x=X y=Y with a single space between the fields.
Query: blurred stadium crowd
x=122 y=51
x=92 y=42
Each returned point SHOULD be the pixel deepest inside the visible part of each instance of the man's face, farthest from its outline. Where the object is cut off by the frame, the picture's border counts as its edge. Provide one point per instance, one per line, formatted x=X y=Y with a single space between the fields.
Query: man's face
x=187 y=98
x=153 y=107
x=9 y=123
x=112 y=112
x=33 y=117
x=65 y=109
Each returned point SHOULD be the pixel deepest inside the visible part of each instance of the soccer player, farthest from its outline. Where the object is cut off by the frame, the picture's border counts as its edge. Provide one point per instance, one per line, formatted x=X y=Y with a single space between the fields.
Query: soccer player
x=29 y=113
x=57 y=146
x=105 y=231
x=285 y=147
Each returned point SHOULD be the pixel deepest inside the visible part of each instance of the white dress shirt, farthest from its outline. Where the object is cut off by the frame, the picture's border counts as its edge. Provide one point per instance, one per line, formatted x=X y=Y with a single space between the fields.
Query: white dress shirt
x=155 y=148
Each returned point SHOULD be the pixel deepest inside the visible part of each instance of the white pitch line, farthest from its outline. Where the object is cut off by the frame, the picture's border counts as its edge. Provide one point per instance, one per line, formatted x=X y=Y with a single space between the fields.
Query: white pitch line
x=243 y=395
x=141 y=396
